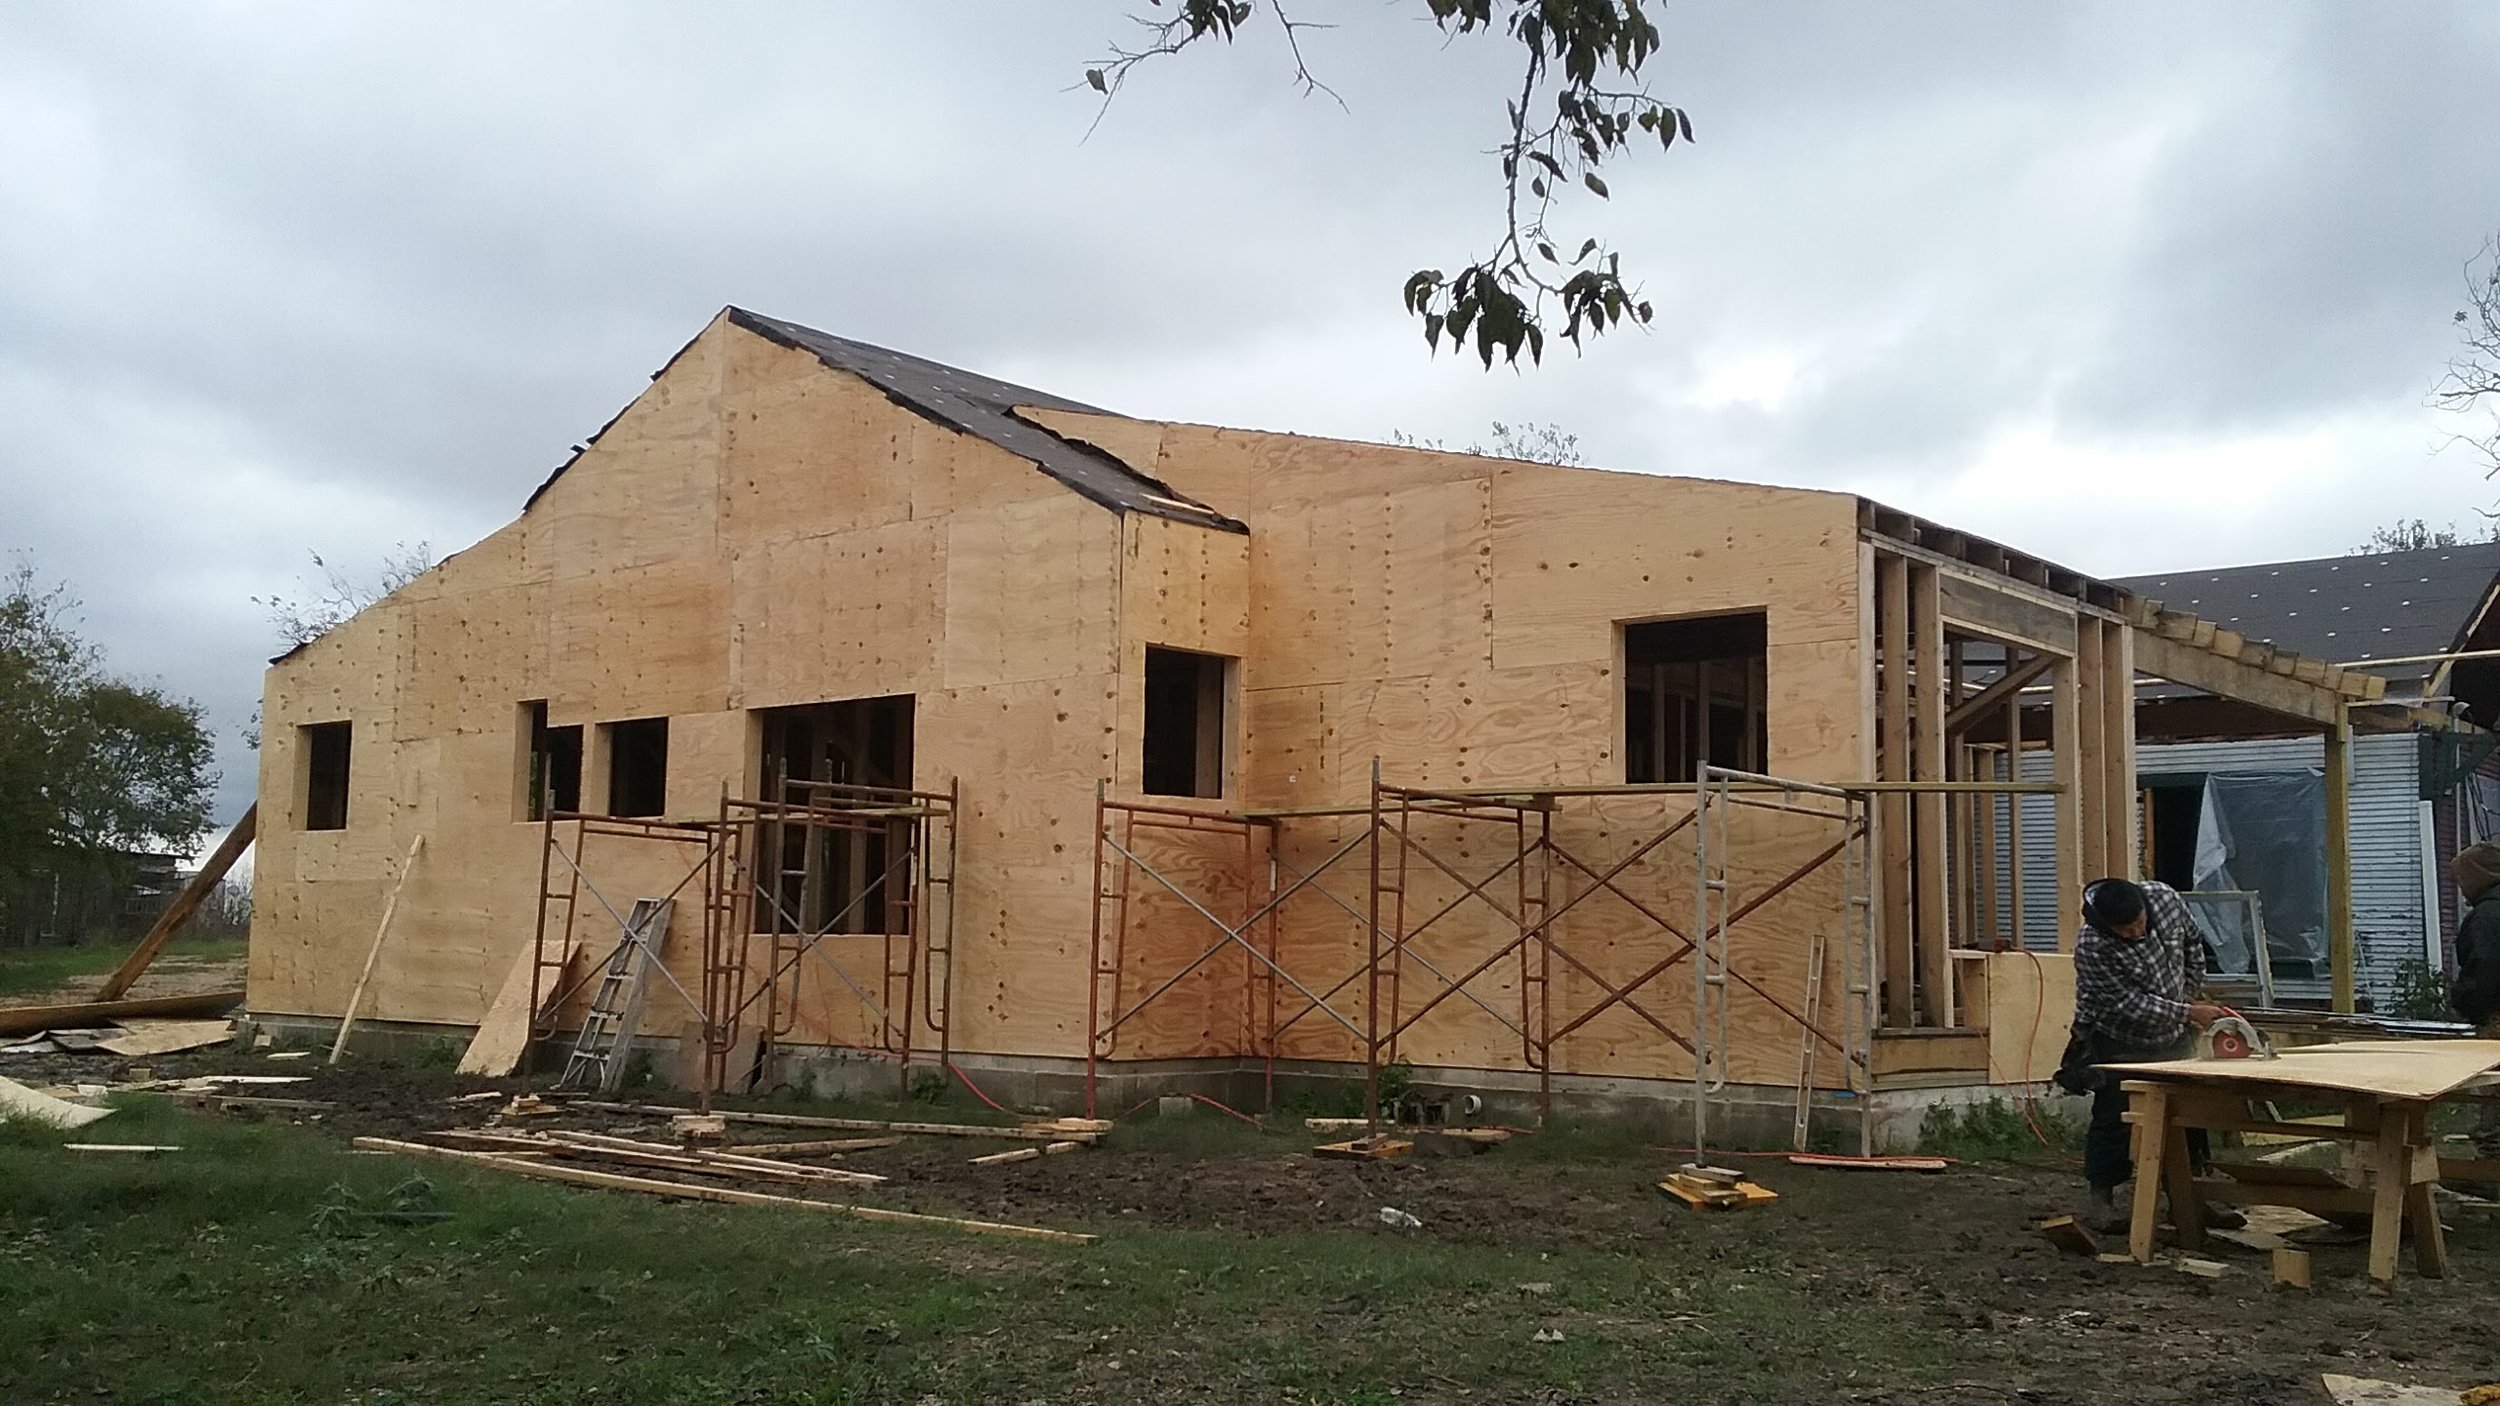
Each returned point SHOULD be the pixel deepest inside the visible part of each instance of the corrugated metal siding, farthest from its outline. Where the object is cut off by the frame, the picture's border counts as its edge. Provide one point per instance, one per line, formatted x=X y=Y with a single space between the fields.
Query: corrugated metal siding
x=2387 y=896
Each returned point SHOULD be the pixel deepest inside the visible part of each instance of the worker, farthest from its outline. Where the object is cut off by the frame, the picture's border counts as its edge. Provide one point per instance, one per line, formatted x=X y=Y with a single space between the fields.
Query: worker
x=2475 y=994
x=2139 y=980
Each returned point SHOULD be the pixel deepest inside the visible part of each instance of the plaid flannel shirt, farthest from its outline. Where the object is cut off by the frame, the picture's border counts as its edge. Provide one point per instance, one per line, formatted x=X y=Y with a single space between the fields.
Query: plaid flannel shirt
x=2136 y=994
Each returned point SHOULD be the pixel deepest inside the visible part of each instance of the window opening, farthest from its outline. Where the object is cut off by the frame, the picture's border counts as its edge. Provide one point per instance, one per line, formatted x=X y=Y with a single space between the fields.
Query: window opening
x=326 y=748
x=638 y=767
x=552 y=780
x=1184 y=735
x=837 y=879
x=1693 y=692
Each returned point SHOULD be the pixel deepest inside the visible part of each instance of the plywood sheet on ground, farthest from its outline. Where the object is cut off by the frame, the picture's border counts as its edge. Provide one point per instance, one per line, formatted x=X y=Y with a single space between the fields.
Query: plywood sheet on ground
x=2390 y=1068
x=142 y=1038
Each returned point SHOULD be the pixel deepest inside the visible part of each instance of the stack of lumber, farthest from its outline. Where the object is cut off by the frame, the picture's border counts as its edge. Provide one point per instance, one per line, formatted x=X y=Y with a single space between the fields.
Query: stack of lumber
x=1714 y=1188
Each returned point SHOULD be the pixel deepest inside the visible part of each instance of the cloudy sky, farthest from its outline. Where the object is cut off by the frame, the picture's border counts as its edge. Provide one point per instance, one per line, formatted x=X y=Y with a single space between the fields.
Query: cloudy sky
x=2137 y=287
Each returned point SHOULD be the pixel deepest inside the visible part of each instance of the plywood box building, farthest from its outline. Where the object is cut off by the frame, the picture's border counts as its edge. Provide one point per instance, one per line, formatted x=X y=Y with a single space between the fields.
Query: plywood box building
x=1420 y=729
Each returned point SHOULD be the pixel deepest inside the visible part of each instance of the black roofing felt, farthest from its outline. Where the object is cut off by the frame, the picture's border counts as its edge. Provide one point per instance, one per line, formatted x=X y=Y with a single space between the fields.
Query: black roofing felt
x=980 y=406
x=972 y=404
x=2384 y=605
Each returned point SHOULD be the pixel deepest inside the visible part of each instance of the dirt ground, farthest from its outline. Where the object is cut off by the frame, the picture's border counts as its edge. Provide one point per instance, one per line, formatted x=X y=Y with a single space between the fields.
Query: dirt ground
x=1955 y=1249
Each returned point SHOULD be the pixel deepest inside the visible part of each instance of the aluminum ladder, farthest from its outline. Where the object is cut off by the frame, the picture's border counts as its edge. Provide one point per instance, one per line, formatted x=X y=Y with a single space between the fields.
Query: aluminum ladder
x=607 y=1034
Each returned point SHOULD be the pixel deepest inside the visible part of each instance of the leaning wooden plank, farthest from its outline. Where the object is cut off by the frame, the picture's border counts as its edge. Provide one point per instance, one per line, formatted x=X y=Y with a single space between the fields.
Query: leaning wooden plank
x=184 y=905
x=866 y=1125
x=373 y=954
x=29 y=1020
x=1026 y=1154
x=20 y=1102
x=504 y=1035
x=581 y=1176
x=161 y=1037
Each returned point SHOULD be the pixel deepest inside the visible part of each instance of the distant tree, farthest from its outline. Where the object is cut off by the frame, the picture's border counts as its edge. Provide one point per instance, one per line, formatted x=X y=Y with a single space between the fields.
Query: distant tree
x=1579 y=102
x=2472 y=385
x=2413 y=534
x=1542 y=444
x=329 y=603
x=91 y=767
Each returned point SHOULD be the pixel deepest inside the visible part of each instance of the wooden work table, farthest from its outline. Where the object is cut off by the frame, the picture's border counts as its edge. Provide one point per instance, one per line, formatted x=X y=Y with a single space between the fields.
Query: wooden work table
x=2384 y=1092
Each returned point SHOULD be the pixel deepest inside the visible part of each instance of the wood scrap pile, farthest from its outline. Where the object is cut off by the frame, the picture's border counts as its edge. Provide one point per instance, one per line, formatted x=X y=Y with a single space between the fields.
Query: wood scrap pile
x=130 y=1037
x=1715 y=1188
x=699 y=1162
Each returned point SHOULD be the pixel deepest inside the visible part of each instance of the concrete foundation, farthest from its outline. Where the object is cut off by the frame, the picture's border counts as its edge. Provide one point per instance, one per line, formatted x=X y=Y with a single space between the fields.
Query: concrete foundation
x=1740 y=1116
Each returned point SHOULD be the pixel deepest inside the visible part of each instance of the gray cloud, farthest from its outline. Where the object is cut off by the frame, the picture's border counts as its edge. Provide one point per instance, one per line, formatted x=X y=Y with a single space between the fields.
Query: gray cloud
x=291 y=277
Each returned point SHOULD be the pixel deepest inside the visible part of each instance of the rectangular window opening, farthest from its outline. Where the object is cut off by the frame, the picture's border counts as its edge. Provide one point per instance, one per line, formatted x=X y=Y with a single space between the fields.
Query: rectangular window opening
x=1693 y=692
x=637 y=767
x=1185 y=723
x=551 y=777
x=846 y=878
x=326 y=747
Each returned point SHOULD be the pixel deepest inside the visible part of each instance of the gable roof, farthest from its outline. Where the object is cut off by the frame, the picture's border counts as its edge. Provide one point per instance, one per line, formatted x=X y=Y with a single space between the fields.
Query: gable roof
x=2354 y=609
x=968 y=403
x=985 y=408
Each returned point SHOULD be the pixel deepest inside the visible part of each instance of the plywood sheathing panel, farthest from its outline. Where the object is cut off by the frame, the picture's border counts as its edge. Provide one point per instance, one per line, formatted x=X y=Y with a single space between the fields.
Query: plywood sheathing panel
x=753 y=531
x=1030 y=592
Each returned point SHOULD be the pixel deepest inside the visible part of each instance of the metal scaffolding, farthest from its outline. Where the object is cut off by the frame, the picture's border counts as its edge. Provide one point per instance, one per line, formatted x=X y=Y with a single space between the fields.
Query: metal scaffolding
x=1411 y=833
x=759 y=935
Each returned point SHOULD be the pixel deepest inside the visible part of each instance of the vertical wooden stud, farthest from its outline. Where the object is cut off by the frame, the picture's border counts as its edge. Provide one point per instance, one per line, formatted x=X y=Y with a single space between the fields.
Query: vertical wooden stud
x=2091 y=828
x=2121 y=850
x=2065 y=742
x=1935 y=936
x=1892 y=579
x=2339 y=857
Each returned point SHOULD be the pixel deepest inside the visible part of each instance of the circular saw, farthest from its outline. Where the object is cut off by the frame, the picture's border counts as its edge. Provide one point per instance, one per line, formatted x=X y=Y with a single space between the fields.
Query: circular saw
x=2233 y=1037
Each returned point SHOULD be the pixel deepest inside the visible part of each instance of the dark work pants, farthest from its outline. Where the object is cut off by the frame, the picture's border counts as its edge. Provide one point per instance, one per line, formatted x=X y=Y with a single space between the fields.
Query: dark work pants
x=2106 y=1154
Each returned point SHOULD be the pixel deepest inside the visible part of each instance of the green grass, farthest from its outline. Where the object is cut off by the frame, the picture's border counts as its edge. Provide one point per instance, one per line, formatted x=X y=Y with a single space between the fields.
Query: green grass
x=1999 y=1131
x=246 y=1268
x=31 y=969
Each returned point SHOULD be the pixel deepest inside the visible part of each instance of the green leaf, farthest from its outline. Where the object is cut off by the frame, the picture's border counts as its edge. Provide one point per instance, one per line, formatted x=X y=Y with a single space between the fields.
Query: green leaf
x=1594 y=184
x=1093 y=77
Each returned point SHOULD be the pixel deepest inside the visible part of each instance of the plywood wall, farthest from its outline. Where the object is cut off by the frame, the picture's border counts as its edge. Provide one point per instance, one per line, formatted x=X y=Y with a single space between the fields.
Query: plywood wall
x=754 y=531
x=757 y=531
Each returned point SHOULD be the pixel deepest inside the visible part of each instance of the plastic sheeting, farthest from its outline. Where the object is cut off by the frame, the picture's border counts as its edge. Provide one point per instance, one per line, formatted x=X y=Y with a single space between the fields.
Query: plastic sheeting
x=2264 y=832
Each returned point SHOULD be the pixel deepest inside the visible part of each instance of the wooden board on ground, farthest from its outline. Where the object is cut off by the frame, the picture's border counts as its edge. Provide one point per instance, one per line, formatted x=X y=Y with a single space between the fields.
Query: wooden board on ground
x=18 y=1102
x=2363 y=1391
x=1365 y=1149
x=2070 y=1235
x=142 y=1038
x=29 y=1020
x=830 y=1147
x=2388 y=1068
x=504 y=1035
x=865 y=1125
x=582 y=1176
x=1869 y=1164
x=1026 y=1154
x=1702 y=1195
